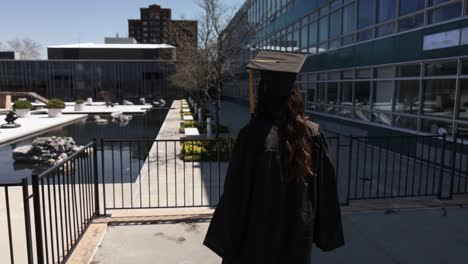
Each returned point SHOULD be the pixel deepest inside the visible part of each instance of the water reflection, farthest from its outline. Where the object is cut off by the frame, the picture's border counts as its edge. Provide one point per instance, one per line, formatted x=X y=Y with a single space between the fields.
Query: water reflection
x=140 y=127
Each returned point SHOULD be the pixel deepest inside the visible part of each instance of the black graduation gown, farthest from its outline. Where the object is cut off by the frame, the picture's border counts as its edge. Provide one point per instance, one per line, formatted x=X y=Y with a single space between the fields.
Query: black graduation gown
x=263 y=217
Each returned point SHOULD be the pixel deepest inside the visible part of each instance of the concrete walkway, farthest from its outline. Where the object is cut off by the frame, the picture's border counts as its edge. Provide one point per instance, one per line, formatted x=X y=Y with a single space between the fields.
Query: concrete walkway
x=429 y=236
x=165 y=180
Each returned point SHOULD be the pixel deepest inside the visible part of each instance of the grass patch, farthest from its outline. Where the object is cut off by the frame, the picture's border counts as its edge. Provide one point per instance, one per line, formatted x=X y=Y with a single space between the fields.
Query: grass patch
x=208 y=150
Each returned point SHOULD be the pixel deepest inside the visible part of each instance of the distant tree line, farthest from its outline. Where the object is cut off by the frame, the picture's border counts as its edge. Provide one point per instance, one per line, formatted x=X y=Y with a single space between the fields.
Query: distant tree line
x=27 y=48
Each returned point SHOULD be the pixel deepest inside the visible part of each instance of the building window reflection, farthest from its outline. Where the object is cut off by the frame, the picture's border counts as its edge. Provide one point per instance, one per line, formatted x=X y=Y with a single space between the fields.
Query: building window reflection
x=444 y=13
x=463 y=99
x=407 y=96
x=411 y=6
x=439 y=97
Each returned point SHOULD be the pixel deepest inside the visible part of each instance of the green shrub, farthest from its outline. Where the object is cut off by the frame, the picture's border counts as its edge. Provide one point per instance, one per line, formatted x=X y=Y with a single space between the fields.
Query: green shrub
x=208 y=150
x=56 y=104
x=79 y=101
x=22 y=104
x=185 y=124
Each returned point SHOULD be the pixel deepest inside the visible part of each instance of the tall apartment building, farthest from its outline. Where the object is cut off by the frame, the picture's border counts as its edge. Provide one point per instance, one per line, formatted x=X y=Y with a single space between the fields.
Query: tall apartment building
x=156 y=26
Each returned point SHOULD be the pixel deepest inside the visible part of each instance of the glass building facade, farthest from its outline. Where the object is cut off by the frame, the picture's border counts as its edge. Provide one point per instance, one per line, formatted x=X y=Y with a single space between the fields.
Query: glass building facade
x=400 y=64
x=71 y=79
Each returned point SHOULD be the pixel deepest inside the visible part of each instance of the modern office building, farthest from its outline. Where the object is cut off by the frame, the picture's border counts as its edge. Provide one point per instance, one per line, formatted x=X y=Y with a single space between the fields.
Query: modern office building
x=119 y=40
x=380 y=65
x=93 y=51
x=72 y=79
x=156 y=26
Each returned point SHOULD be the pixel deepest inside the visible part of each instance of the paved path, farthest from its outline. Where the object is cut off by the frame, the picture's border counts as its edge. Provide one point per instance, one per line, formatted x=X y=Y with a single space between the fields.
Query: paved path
x=426 y=236
x=165 y=180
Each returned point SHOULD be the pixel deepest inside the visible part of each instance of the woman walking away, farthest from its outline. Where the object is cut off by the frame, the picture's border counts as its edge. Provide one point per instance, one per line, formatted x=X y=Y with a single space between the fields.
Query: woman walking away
x=280 y=193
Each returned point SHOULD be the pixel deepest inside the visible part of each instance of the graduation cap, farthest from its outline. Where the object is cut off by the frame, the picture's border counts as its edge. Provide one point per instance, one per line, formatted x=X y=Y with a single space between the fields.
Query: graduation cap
x=277 y=69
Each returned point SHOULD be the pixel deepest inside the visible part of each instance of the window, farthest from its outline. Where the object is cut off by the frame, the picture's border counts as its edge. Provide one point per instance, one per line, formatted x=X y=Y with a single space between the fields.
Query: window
x=382 y=101
x=366 y=13
x=439 y=97
x=386 y=10
x=335 y=4
x=348 y=75
x=320 y=95
x=362 y=94
x=386 y=29
x=464 y=67
x=346 y=99
x=406 y=122
x=365 y=34
x=335 y=24
x=349 y=18
x=311 y=92
x=441 y=68
x=304 y=39
x=444 y=13
x=410 y=6
x=296 y=40
x=346 y=94
x=436 y=127
x=323 y=29
x=332 y=97
x=407 y=97
x=313 y=34
x=409 y=70
x=364 y=74
x=347 y=40
x=436 y=2
x=411 y=22
x=463 y=99
x=383 y=96
x=385 y=72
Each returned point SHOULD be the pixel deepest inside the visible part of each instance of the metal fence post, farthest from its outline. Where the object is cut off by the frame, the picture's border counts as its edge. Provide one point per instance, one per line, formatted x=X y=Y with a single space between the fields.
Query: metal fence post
x=103 y=177
x=350 y=165
x=442 y=167
x=96 y=179
x=37 y=218
x=27 y=219
x=453 y=164
x=337 y=165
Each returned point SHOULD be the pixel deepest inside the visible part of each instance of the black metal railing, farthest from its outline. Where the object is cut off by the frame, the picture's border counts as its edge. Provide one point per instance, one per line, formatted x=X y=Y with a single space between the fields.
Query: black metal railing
x=388 y=167
x=459 y=165
x=139 y=174
x=15 y=247
x=60 y=203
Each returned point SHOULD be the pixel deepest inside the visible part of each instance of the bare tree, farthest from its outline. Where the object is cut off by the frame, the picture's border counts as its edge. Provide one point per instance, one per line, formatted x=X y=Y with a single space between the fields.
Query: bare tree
x=201 y=70
x=27 y=48
x=2 y=47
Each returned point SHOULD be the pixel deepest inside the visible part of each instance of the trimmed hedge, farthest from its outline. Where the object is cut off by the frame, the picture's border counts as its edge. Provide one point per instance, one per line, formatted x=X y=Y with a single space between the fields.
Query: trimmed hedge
x=185 y=124
x=208 y=150
x=56 y=104
x=22 y=104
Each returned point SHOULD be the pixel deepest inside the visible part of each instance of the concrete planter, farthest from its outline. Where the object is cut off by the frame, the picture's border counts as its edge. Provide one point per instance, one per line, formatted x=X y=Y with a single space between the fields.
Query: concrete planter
x=23 y=113
x=79 y=107
x=55 y=112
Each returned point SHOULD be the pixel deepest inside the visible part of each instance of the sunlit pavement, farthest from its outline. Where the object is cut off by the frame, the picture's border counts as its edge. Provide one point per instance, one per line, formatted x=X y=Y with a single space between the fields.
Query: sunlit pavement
x=427 y=236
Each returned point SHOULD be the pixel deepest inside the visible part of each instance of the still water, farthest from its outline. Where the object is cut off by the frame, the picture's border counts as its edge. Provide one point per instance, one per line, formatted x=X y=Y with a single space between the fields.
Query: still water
x=140 y=127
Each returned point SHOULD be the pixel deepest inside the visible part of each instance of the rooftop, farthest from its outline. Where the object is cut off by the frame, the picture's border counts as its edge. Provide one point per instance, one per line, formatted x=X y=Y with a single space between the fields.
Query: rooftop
x=112 y=46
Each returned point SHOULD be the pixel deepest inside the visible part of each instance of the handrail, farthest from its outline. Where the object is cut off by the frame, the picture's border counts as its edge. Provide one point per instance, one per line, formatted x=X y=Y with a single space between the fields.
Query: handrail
x=56 y=166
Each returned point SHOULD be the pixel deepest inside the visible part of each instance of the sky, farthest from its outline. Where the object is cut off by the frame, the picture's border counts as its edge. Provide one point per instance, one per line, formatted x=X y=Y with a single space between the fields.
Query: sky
x=56 y=22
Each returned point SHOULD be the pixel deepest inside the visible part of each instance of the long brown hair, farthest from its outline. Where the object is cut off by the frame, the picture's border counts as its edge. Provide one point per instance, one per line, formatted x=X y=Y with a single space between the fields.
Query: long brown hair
x=289 y=111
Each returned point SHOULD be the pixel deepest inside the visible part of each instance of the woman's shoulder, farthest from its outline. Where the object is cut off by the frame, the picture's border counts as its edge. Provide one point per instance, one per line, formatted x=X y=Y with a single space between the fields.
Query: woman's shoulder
x=314 y=128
